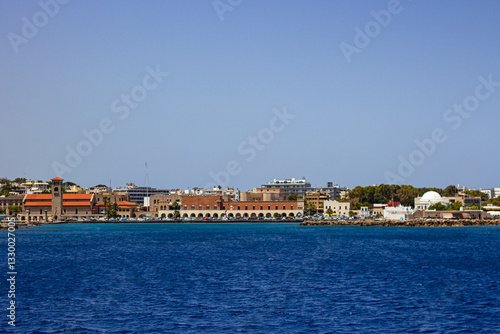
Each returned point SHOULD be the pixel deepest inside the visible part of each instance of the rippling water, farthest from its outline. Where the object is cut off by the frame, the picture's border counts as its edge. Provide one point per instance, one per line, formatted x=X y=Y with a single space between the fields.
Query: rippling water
x=264 y=278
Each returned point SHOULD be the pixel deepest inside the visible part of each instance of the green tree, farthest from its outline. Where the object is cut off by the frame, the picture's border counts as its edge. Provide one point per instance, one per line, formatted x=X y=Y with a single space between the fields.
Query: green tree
x=438 y=207
x=6 y=186
x=455 y=206
x=450 y=191
x=477 y=193
x=107 y=203
x=493 y=201
x=113 y=211
x=292 y=197
x=329 y=211
x=2 y=211
x=15 y=209
x=406 y=195
x=310 y=208
x=355 y=206
x=175 y=205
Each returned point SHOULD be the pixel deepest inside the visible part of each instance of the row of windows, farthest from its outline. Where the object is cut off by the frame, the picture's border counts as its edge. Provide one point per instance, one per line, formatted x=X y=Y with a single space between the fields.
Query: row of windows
x=340 y=208
x=200 y=207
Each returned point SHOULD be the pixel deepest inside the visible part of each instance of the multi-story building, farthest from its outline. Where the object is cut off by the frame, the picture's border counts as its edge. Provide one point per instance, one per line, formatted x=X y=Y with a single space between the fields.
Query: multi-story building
x=233 y=194
x=33 y=186
x=492 y=192
x=333 y=191
x=264 y=194
x=139 y=194
x=124 y=209
x=97 y=190
x=317 y=199
x=291 y=186
x=112 y=197
x=218 y=207
x=163 y=205
x=11 y=200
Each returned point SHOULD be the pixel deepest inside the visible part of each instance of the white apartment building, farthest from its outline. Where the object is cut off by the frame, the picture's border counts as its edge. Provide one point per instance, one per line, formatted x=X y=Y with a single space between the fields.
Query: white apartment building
x=338 y=208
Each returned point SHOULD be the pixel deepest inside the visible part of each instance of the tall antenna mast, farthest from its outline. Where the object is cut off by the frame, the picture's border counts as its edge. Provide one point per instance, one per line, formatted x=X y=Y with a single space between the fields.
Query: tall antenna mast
x=147 y=182
x=147 y=177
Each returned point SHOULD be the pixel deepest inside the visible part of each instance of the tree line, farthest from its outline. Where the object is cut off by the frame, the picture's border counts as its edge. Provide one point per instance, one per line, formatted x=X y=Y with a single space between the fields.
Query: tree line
x=384 y=193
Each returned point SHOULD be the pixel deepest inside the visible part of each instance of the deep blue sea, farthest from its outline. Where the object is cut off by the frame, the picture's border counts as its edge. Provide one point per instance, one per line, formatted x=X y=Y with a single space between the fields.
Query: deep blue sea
x=253 y=278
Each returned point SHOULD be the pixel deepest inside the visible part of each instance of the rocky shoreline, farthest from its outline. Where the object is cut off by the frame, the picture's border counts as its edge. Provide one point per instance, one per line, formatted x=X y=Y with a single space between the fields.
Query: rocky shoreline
x=403 y=223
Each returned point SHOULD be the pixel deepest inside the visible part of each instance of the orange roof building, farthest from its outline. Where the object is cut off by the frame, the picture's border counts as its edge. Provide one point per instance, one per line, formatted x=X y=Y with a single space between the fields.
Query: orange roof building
x=39 y=206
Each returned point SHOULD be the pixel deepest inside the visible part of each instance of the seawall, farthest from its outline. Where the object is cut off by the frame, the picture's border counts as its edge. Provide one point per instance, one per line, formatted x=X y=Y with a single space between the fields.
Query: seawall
x=433 y=222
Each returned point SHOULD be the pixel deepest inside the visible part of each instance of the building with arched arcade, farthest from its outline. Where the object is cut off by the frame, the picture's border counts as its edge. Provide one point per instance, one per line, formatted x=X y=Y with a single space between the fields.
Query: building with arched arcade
x=218 y=207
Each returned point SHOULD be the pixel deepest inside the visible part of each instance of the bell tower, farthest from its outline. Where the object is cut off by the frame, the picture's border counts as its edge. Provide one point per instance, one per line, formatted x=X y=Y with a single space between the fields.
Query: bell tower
x=57 y=198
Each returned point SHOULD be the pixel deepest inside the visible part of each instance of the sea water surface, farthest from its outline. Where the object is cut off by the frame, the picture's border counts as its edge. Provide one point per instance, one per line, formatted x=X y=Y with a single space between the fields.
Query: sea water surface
x=253 y=278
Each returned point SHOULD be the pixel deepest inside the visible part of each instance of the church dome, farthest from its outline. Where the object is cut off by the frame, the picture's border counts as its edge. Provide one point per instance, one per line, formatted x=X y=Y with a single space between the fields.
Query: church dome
x=431 y=197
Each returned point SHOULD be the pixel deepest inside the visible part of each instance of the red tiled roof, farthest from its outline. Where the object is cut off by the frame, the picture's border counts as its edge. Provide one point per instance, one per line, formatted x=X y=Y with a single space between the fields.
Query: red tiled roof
x=126 y=203
x=38 y=204
x=33 y=197
x=82 y=197
x=57 y=179
x=71 y=203
x=87 y=197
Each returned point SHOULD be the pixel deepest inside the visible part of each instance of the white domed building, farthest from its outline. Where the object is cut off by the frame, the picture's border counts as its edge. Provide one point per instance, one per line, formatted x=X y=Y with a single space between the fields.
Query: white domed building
x=428 y=199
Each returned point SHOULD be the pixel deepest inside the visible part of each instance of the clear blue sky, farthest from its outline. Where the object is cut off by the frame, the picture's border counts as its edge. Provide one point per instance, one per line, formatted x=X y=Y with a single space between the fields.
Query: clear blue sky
x=353 y=120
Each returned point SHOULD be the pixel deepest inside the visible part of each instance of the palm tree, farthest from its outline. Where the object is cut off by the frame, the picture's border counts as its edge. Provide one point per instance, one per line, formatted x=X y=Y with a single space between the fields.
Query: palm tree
x=329 y=212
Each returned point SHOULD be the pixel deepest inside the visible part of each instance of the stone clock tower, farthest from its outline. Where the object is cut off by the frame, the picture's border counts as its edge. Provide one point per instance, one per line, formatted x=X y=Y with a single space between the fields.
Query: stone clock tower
x=57 y=198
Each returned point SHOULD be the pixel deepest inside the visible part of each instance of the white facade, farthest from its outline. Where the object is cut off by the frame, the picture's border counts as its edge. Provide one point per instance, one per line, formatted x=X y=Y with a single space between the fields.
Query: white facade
x=428 y=199
x=338 y=208
x=398 y=213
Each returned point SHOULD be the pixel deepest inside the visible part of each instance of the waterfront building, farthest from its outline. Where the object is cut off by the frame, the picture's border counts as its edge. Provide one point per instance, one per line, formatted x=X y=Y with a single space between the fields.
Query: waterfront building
x=378 y=209
x=317 y=199
x=428 y=199
x=163 y=205
x=217 y=207
x=338 y=208
x=57 y=205
x=398 y=212
x=11 y=200
x=112 y=197
x=125 y=209
x=431 y=197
